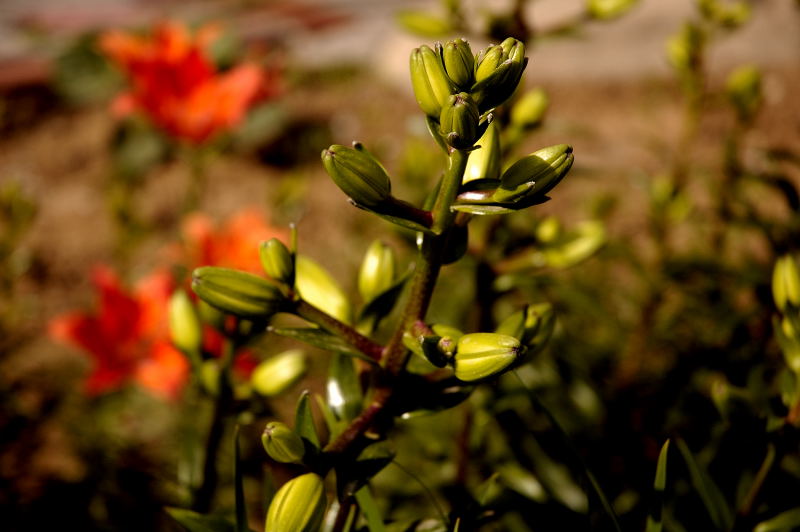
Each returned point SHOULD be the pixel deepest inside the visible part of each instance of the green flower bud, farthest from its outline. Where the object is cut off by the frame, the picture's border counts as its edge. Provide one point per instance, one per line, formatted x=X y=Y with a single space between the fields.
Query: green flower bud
x=529 y=110
x=482 y=355
x=459 y=63
x=277 y=261
x=548 y=230
x=278 y=373
x=299 y=506
x=358 y=174
x=535 y=174
x=532 y=325
x=316 y=286
x=209 y=376
x=240 y=293
x=184 y=323
x=484 y=162
x=786 y=283
x=683 y=49
x=282 y=443
x=744 y=91
x=377 y=271
x=432 y=86
x=608 y=9
x=458 y=123
x=498 y=72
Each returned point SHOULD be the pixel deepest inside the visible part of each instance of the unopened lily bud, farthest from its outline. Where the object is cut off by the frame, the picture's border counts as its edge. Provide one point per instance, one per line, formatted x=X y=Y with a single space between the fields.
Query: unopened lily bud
x=482 y=355
x=535 y=174
x=240 y=293
x=358 y=174
x=184 y=323
x=432 y=86
x=786 y=283
x=377 y=271
x=484 y=162
x=277 y=261
x=299 y=506
x=744 y=91
x=282 y=443
x=608 y=9
x=316 y=286
x=278 y=373
x=529 y=110
x=498 y=73
x=459 y=63
x=458 y=123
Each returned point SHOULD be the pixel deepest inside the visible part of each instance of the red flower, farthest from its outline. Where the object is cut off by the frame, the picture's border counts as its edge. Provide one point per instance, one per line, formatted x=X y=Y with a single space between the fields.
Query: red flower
x=175 y=84
x=127 y=337
x=234 y=244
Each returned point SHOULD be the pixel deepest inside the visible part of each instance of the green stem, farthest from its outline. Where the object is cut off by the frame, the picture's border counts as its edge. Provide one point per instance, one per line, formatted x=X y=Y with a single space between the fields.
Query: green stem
x=427 y=270
x=311 y=313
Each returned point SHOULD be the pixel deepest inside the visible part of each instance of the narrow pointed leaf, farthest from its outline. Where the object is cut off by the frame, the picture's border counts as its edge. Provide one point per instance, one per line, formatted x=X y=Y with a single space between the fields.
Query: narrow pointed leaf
x=370 y=509
x=788 y=520
x=195 y=522
x=712 y=497
x=321 y=339
x=304 y=420
x=654 y=522
x=344 y=391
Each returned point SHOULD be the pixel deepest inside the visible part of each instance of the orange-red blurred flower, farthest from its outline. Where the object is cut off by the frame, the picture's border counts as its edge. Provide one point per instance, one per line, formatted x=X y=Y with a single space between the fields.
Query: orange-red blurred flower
x=174 y=82
x=233 y=244
x=127 y=336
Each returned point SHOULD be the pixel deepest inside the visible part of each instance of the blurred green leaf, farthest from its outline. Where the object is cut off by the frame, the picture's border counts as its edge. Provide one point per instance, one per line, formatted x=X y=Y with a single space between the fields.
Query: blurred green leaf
x=654 y=523
x=343 y=388
x=424 y=24
x=238 y=483
x=370 y=509
x=195 y=522
x=712 y=497
x=321 y=339
x=382 y=305
x=304 y=420
x=783 y=522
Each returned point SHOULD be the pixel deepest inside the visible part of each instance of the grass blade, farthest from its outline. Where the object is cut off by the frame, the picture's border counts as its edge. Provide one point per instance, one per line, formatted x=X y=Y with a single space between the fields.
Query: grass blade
x=654 y=523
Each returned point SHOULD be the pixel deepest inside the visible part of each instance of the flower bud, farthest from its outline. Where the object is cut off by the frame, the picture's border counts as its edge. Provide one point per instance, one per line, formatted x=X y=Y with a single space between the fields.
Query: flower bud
x=744 y=91
x=377 y=271
x=535 y=174
x=529 y=110
x=184 y=323
x=358 y=174
x=459 y=63
x=786 y=283
x=277 y=261
x=458 y=123
x=282 y=443
x=316 y=286
x=532 y=325
x=608 y=9
x=431 y=85
x=240 y=293
x=278 y=373
x=683 y=49
x=498 y=72
x=484 y=162
x=482 y=355
x=299 y=506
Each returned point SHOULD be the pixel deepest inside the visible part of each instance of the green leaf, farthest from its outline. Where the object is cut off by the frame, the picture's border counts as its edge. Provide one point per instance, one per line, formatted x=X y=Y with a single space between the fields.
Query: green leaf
x=523 y=482
x=195 y=522
x=382 y=305
x=370 y=509
x=654 y=523
x=343 y=389
x=783 y=522
x=241 y=509
x=321 y=339
x=392 y=215
x=304 y=420
x=712 y=497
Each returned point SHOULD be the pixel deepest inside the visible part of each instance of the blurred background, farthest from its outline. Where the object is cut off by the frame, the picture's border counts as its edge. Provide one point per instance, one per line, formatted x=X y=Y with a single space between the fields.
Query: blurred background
x=657 y=251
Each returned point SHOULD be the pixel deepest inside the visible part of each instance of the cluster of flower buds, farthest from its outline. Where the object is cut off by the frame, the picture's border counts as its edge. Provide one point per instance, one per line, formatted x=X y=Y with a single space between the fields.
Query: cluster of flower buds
x=457 y=89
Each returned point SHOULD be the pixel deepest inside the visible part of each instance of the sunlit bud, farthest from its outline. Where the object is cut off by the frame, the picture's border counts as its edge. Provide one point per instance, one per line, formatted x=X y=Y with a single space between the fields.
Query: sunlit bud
x=240 y=293
x=316 y=286
x=535 y=174
x=458 y=123
x=459 y=63
x=548 y=230
x=484 y=162
x=377 y=271
x=607 y=9
x=744 y=91
x=184 y=324
x=431 y=85
x=282 y=443
x=786 y=283
x=358 y=174
x=529 y=110
x=209 y=376
x=299 y=506
x=498 y=73
x=683 y=49
x=482 y=355
x=278 y=373
x=277 y=261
